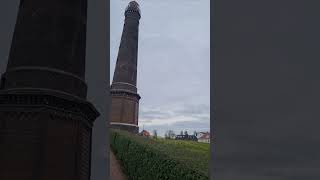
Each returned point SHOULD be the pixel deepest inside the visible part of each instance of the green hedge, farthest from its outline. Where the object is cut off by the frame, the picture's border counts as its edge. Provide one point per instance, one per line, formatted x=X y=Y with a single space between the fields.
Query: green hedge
x=148 y=159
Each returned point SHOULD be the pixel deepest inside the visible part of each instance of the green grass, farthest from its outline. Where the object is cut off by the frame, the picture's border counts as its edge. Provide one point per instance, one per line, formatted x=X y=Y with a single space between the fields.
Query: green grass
x=190 y=152
x=144 y=158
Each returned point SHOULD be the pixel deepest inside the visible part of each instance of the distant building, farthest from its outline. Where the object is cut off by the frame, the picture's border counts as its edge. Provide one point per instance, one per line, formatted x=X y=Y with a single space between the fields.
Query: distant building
x=205 y=137
x=200 y=134
x=144 y=133
x=186 y=137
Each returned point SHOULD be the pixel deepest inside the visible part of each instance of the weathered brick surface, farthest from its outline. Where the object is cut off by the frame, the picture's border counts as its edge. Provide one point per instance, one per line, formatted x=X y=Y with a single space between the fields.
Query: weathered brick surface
x=124 y=97
x=45 y=120
x=43 y=143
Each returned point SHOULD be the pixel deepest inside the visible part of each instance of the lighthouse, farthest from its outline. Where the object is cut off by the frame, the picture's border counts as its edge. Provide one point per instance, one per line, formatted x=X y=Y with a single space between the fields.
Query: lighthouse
x=124 y=96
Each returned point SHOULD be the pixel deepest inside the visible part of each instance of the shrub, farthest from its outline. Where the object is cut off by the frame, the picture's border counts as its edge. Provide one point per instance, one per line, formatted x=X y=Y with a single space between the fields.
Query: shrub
x=150 y=159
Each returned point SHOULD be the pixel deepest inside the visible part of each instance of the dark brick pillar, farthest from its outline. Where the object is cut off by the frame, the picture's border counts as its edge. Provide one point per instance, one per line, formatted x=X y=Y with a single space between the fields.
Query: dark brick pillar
x=45 y=120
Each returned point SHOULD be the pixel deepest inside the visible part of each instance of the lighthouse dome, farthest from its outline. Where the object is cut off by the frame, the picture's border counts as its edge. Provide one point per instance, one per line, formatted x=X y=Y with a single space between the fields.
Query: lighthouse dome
x=133 y=6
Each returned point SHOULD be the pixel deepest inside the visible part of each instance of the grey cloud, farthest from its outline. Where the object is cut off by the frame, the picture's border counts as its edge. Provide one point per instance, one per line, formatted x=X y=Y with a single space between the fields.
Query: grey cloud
x=189 y=126
x=195 y=109
x=199 y=112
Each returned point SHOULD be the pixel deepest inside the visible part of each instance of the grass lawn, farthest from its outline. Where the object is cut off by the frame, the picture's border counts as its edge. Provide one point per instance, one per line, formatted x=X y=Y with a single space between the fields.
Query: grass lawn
x=193 y=153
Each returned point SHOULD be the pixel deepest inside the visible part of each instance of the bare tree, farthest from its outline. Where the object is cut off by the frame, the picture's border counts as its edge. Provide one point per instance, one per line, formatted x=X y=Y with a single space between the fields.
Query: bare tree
x=186 y=133
x=168 y=134
x=181 y=133
x=155 y=134
x=171 y=134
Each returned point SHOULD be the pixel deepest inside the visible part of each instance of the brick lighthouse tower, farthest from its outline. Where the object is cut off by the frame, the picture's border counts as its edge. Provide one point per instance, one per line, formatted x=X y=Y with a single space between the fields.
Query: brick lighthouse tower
x=124 y=96
x=45 y=118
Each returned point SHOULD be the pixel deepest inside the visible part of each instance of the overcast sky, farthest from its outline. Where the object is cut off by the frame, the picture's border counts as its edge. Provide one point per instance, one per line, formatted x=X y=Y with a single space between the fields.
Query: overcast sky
x=173 y=62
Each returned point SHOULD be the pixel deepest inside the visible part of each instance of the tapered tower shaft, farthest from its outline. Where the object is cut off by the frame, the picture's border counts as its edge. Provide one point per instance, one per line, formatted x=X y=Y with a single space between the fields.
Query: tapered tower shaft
x=45 y=120
x=48 y=47
x=124 y=97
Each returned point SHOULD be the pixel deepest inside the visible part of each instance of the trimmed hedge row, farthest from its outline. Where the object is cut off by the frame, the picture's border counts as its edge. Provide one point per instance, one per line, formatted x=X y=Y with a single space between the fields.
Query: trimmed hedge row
x=147 y=159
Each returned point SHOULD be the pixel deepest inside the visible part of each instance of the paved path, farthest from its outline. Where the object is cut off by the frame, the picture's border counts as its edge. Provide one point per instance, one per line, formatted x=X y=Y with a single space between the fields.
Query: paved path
x=115 y=170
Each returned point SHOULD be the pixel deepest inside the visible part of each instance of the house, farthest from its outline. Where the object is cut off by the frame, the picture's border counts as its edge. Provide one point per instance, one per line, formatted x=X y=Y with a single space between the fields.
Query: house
x=144 y=133
x=200 y=134
x=186 y=137
x=205 y=137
